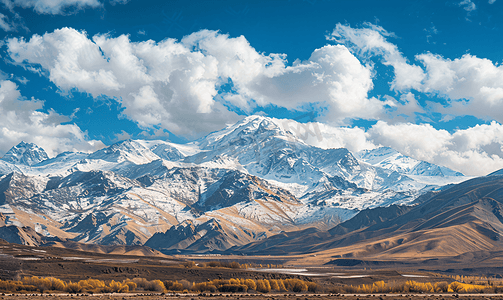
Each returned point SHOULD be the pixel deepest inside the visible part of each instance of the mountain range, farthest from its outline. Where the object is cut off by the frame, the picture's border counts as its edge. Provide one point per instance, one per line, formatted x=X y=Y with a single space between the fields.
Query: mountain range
x=462 y=223
x=233 y=190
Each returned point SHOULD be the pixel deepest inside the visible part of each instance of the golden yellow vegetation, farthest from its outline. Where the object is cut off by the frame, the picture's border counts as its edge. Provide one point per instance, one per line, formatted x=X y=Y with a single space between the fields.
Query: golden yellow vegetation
x=233 y=285
x=36 y=284
x=417 y=287
x=237 y=285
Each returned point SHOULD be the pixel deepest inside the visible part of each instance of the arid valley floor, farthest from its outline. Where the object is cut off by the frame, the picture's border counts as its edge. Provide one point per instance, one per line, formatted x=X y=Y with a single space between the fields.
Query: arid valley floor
x=18 y=261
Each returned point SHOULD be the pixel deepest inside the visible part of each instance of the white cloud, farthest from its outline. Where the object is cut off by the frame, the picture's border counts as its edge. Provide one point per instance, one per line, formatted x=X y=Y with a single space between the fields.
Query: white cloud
x=419 y=141
x=159 y=84
x=473 y=86
x=474 y=151
x=492 y=1
x=468 y=5
x=5 y=24
x=115 y=2
x=11 y=20
x=22 y=120
x=355 y=139
x=370 y=41
x=406 y=111
x=173 y=85
x=53 y=6
x=123 y=135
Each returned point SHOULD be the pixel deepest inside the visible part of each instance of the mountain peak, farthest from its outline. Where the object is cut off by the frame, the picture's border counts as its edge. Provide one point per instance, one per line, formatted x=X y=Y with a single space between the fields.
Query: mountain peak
x=255 y=122
x=25 y=154
x=127 y=150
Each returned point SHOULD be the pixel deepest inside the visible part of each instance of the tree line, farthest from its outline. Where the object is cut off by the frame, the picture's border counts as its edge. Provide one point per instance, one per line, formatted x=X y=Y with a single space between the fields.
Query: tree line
x=47 y=284
x=234 y=285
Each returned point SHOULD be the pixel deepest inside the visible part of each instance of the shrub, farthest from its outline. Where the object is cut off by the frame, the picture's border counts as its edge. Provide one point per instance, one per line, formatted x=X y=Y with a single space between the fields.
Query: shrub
x=249 y=283
x=274 y=284
x=57 y=284
x=41 y=284
x=131 y=285
x=295 y=285
x=8 y=286
x=299 y=287
x=140 y=282
x=214 y=264
x=92 y=285
x=187 y=285
x=118 y=287
x=455 y=287
x=204 y=287
x=173 y=286
x=73 y=287
x=263 y=286
x=233 y=265
x=153 y=285
x=281 y=286
x=157 y=285
x=312 y=287
x=441 y=287
x=232 y=288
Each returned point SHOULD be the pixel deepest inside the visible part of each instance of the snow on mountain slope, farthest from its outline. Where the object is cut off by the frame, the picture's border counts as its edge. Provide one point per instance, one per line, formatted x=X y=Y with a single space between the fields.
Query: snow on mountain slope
x=122 y=209
x=263 y=149
x=243 y=223
x=199 y=237
x=131 y=156
x=271 y=149
x=128 y=150
x=21 y=158
x=59 y=165
x=166 y=150
x=252 y=179
x=391 y=159
x=7 y=168
x=19 y=186
x=104 y=207
x=25 y=154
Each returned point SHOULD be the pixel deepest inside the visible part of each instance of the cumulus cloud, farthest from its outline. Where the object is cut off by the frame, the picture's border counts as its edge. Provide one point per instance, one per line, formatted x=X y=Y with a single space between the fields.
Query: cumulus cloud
x=22 y=120
x=331 y=75
x=472 y=85
x=175 y=85
x=157 y=83
x=473 y=151
x=371 y=40
x=475 y=85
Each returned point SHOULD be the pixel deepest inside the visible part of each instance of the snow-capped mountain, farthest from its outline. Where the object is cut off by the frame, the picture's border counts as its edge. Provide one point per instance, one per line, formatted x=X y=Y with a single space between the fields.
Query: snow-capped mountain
x=266 y=148
x=25 y=154
x=248 y=181
x=391 y=159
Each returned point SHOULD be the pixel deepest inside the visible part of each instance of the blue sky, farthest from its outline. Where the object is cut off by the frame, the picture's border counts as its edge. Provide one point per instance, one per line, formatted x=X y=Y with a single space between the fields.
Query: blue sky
x=423 y=77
